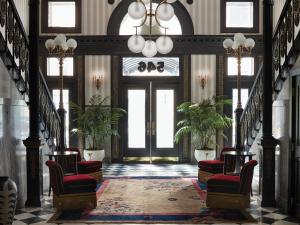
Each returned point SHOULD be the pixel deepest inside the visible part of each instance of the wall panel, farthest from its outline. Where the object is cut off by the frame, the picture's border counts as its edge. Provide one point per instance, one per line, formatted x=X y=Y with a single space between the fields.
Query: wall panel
x=203 y=64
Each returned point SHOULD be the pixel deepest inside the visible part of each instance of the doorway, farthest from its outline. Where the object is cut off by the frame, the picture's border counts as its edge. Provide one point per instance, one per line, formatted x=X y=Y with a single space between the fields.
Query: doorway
x=151 y=89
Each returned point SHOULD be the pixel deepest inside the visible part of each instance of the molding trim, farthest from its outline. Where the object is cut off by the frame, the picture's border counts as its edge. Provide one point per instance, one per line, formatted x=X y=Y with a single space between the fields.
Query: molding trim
x=183 y=45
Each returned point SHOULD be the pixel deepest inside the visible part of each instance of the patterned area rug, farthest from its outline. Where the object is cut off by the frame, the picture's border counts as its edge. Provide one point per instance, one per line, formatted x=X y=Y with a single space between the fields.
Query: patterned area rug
x=151 y=200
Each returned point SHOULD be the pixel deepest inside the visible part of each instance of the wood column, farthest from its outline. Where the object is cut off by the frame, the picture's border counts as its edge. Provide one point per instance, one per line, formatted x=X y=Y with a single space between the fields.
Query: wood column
x=268 y=141
x=32 y=143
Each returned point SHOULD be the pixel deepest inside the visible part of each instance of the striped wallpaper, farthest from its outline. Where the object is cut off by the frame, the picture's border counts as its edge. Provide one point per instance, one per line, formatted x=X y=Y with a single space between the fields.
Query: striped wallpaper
x=23 y=9
x=278 y=6
x=97 y=65
x=201 y=65
x=204 y=13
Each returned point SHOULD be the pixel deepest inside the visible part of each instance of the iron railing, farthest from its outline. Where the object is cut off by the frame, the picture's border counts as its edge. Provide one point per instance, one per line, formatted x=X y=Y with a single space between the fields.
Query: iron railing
x=14 y=49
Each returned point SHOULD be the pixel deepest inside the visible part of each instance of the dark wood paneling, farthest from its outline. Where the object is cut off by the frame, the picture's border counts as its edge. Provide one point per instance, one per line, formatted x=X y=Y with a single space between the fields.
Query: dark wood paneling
x=183 y=45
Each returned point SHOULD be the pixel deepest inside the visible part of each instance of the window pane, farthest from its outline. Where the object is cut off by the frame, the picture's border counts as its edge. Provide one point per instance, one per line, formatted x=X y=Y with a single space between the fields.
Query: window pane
x=53 y=67
x=136 y=118
x=239 y=14
x=164 y=118
x=244 y=99
x=61 y=14
x=247 y=66
x=141 y=66
x=55 y=96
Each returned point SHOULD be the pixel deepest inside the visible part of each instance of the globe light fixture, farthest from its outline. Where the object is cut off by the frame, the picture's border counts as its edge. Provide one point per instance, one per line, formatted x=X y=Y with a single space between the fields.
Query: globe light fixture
x=152 y=17
x=238 y=47
x=60 y=48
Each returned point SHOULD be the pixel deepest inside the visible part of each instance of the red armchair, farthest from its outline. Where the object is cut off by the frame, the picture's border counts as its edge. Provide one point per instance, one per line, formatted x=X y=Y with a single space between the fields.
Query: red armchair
x=231 y=192
x=92 y=168
x=71 y=192
x=208 y=168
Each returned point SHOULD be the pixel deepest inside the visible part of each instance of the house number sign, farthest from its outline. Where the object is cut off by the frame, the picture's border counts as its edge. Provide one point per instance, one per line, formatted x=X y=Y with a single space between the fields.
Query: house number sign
x=150 y=66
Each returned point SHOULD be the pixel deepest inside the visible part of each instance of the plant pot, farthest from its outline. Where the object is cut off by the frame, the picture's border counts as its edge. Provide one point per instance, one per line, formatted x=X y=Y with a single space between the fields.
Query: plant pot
x=8 y=196
x=202 y=154
x=94 y=155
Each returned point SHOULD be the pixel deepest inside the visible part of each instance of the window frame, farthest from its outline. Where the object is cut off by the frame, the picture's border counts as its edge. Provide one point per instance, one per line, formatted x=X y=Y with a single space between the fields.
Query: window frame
x=45 y=11
x=58 y=75
x=254 y=29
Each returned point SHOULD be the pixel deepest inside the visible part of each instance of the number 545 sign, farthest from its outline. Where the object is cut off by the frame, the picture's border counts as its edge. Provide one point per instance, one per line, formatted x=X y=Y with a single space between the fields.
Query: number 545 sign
x=150 y=66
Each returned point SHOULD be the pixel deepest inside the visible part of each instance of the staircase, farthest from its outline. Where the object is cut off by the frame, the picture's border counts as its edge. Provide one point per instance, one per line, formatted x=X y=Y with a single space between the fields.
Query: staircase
x=286 y=46
x=14 y=52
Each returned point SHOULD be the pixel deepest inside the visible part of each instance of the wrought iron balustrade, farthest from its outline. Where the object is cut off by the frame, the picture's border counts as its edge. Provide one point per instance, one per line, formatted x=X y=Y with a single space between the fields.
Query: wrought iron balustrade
x=251 y=118
x=14 y=50
x=286 y=40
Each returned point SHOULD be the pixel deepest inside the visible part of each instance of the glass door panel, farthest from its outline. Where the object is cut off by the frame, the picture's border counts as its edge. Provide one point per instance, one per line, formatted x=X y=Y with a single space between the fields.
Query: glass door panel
x=136 y=118
x=164 y=118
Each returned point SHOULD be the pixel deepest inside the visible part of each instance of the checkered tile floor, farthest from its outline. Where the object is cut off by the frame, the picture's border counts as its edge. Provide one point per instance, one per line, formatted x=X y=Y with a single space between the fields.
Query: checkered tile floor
x=39 y=216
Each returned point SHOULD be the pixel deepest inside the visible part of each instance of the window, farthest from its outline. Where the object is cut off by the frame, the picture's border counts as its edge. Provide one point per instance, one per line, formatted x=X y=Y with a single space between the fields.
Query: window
x=61 y=16
x=55 y=95
x=239 y=16
x=53 y=66
x=247 y=66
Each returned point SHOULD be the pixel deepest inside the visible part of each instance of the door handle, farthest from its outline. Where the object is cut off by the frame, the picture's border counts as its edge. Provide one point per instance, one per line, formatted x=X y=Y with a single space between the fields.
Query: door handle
x=153 y=128
x=148 y=129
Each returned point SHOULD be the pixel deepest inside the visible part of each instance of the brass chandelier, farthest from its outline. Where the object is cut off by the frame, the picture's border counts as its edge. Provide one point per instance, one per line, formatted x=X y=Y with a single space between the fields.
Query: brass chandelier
x=151 y=17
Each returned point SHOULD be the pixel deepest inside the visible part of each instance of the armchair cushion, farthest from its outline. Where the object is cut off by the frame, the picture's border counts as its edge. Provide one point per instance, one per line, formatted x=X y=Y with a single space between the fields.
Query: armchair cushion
x=89 y=166
x=211 y=166
x=224 y=184
x=79 y=184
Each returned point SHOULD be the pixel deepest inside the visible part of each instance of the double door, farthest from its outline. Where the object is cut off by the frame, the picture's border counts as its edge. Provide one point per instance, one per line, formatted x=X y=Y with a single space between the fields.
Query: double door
x=149 y=127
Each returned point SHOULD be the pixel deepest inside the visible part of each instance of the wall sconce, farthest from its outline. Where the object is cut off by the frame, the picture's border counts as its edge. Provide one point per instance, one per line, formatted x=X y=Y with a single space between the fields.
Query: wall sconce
x=98 y=79
x=203 y=80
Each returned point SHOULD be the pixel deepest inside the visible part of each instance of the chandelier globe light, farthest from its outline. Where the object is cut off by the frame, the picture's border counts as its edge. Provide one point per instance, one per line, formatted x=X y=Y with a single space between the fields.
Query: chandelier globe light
x=151 y=17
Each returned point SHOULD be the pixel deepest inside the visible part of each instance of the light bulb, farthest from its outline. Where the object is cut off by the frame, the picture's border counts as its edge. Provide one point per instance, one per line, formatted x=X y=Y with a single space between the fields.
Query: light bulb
x=227 y=43
x=149 y=49
x=165 y=11
x=136 y=43
x=250 y=43
x=72 y=43
x=136 y=10
x=164 y=44
x=49 y=44
x=240 y=39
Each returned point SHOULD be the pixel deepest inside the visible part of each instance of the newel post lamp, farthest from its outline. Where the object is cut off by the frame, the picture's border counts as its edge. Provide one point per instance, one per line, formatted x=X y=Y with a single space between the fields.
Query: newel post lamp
x=61 y=48
x=238 y=47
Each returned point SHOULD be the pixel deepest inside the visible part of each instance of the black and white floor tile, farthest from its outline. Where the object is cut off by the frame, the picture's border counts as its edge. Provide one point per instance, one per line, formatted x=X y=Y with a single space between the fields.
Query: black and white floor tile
x=40 y=216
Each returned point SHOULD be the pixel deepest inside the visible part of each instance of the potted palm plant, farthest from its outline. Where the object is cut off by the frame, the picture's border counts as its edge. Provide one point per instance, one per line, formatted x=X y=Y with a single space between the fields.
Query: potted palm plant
x=97 y=122
x=203 y=120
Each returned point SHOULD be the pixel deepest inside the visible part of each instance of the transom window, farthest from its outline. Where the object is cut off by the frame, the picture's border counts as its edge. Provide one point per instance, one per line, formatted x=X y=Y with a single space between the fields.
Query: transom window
x=247 y=66
x=61 y=16
x=140 y=66
x=239 y=16
x=53 y=66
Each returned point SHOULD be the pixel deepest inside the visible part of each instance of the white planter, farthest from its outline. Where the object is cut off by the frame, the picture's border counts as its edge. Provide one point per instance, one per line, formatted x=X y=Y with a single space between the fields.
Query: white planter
x=204 y=154
x=94 y=155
